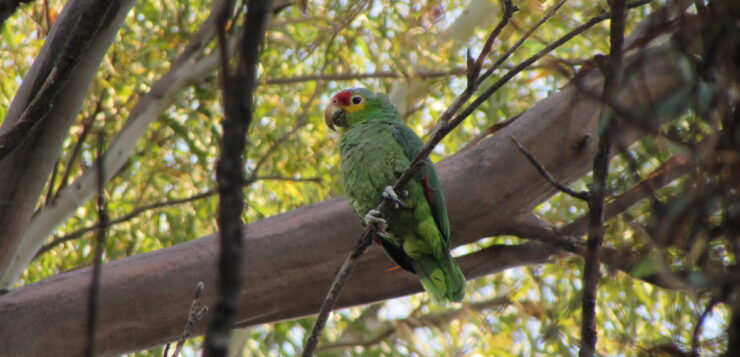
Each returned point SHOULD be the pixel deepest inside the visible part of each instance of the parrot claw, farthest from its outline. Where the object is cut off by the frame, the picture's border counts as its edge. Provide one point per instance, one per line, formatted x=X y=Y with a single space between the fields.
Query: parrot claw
x=375 y=217
x=390 y=194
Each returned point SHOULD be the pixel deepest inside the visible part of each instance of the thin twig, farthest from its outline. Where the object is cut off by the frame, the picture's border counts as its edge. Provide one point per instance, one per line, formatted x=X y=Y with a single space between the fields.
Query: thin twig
x=166 y=203
x=456 y=71
x=526 y=63
x=459 y=71
x=697 y=329
x=238 y=104
x=519 y=43
x=473 y=71
x=674 y=168
x=598 y=189
x=582 y=195
x=498 y=126
x=301 y=122
x=415 y=320
x=489 y=131
x=87 y=125
x=530 y=227
x=636 y=120
x=92 y=302
x=365 y=239
x=196 y=314
x=8 y=8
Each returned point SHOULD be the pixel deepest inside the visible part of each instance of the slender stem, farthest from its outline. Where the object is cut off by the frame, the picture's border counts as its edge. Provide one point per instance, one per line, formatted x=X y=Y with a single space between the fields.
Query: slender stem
x=92 y=302
x=546 y=174
x=238 y=103
x=598 y=189
x=166 y=203
x=697 y=329
x=196 y=314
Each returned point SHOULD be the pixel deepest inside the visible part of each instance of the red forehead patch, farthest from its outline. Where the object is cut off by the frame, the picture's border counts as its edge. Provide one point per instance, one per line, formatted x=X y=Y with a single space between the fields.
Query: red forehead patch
x=343 y=97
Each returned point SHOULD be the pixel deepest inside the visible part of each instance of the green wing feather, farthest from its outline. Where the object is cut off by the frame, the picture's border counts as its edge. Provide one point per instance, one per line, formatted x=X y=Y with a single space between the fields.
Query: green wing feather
x=427 y=176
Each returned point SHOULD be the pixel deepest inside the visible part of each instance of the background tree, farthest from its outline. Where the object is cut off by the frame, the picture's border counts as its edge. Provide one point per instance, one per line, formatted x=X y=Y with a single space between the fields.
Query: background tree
x=139 y=80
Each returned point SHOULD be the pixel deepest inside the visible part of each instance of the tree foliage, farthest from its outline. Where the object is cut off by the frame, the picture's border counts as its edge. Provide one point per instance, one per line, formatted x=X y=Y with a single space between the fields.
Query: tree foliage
x=164 y=194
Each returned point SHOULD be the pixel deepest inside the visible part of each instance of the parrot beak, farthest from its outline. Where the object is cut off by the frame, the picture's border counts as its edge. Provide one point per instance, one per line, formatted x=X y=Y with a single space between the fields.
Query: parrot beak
x=334 y=115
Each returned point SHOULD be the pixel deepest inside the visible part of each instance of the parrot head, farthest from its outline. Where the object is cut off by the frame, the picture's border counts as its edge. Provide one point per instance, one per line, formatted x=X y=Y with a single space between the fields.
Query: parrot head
x=355 y=106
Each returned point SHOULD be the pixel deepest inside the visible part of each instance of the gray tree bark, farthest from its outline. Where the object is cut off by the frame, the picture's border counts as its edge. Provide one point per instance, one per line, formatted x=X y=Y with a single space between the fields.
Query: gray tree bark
x=26 y=169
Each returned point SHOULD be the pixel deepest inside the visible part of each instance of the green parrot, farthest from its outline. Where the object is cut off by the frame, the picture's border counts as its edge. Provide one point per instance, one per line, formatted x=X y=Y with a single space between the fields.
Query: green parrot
x=376 y=148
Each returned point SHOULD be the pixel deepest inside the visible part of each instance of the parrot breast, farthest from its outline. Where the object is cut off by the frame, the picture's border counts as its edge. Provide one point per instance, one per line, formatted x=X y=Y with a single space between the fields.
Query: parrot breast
x=369 y=156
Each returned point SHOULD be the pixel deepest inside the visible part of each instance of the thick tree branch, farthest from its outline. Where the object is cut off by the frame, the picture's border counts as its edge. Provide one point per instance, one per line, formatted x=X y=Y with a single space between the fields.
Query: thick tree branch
x=87 y=28
x=24 y=178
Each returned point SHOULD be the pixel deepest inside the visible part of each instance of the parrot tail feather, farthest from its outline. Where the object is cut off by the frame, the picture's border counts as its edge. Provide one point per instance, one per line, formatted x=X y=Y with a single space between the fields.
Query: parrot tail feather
x=442 y=279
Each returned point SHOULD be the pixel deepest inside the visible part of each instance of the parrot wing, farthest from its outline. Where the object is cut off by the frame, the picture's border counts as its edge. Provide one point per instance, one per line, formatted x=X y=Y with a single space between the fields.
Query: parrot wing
x=427 y=177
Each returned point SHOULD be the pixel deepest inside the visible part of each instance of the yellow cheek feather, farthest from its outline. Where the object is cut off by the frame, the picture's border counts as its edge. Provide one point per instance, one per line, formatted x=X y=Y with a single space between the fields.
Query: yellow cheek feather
x=354 y=108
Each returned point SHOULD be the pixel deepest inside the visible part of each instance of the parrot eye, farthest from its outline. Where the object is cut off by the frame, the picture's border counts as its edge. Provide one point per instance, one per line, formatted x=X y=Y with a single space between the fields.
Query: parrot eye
x=356 y=99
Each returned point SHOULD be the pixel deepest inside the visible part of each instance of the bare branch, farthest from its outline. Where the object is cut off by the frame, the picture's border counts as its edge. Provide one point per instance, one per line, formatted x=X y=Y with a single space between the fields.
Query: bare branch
x=455 y=71
x=697 y=328
x=238 y=103
x=458 y=71
x=92 y=302
x=526 y=63
x=196 y=314
x=389 y=328
x=166 y=203
x=474 y=70
x=546 y=174
x=489 y=131
x=531 y=227
x=598 y=189
x=518 y=44
x=671 y=170
x=300 y=123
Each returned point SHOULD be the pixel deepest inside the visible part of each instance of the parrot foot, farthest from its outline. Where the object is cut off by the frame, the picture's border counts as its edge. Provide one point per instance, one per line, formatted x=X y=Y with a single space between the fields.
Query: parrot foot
x=375 y=217
x=390 y=194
